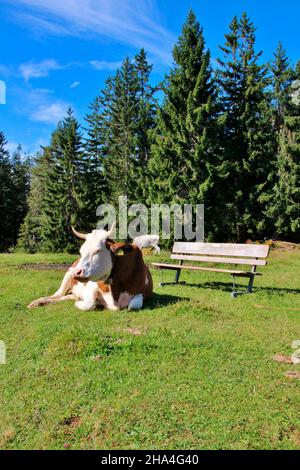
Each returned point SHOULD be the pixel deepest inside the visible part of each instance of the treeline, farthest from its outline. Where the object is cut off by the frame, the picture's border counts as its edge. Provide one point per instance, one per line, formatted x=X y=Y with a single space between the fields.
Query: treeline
x=227 y=136
x=14 y=190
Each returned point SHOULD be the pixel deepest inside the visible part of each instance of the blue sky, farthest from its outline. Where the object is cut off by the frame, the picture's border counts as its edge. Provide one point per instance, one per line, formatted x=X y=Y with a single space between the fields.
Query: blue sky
x=57 y=53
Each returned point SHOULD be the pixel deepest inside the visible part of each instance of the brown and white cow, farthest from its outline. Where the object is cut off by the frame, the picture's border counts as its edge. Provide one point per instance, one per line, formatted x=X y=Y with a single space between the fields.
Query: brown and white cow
x=108 y=273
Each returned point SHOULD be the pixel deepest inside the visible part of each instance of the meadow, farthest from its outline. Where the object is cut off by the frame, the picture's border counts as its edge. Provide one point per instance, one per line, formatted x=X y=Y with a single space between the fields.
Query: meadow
x=192 y=370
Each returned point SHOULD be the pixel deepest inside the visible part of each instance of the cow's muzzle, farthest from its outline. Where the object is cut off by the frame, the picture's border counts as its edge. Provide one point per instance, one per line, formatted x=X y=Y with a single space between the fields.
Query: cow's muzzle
x=78 y=275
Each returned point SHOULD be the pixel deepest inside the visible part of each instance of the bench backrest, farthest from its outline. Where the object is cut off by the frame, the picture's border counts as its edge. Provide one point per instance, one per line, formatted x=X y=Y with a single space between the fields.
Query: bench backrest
x=232 y=253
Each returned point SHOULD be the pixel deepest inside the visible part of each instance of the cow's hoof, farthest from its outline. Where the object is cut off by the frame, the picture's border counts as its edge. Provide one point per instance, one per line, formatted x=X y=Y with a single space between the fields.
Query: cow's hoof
x=39 y=303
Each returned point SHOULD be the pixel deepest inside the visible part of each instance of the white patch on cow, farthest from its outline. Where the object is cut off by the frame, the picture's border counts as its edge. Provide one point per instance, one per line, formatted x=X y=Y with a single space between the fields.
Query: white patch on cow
x=87 y=293
x=95 y=262
x=136 y=303
x=107 y=301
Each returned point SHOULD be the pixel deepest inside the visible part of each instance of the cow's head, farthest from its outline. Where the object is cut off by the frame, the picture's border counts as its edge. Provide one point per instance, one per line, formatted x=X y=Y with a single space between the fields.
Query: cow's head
x=97 y=256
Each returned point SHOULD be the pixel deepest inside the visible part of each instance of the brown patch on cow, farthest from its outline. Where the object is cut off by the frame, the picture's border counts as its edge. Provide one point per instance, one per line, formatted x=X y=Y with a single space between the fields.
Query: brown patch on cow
x=282 y=358
x=103 y=287
x=129 y=274
x=291 y=374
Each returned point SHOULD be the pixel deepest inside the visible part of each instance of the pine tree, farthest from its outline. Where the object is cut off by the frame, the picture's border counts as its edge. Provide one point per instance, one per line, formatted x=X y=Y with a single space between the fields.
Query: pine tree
x=119 y=129
x=285 y=203
x=65 y=188
x=248 y=138
x=281 y=79
x=185 y=156
x=95 y=145
x=30 y=234
x=122 y=111
x=146 y=120
x=6 y=192
x=14 y=185
x=21 y=184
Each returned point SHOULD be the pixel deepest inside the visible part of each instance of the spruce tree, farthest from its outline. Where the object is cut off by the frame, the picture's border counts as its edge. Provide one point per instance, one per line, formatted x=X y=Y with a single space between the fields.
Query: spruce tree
x=185 y=159
x=14 y=185
x=248 y=139
x=95 y=145
x=146 y=120
x=6 y=193
x=281 y=79
x=20 y=184
x=65 y=188
x=284 y=206
x=30 y=234
x=119 y=129
x=122 y=110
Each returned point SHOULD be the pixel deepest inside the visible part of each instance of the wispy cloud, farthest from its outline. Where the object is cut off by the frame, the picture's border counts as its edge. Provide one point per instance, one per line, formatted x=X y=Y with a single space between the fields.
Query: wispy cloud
x=40 y=105
x=133 y=22
x=32 y=69
x=50 y=113
x=105 y=65
x=74 y=84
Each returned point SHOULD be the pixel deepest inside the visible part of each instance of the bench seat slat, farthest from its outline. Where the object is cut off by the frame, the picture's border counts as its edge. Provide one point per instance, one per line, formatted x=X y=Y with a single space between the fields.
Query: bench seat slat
x=225 y=260
x=226 y=249
x=201 y=268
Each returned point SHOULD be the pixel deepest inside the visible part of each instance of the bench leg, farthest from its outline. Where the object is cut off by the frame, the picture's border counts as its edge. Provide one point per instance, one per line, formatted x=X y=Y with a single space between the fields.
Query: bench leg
x=249 y=290
x=250 y=284
x=177 y=275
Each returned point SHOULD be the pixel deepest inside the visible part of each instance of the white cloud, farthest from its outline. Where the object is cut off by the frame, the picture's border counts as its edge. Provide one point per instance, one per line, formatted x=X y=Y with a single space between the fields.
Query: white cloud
x=74 y=84
x=40 y=25
x=133 y=22
x=105 y=65
x=50 y=113
x=32 y=69
x=40 y=105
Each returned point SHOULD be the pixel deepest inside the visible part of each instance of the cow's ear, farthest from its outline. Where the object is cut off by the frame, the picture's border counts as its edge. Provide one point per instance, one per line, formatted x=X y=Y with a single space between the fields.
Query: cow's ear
x=120 y=248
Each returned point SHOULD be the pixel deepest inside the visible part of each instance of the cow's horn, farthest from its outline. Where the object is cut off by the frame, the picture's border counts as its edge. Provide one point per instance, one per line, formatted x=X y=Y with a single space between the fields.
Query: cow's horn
x=78 y=234
x=110 y=232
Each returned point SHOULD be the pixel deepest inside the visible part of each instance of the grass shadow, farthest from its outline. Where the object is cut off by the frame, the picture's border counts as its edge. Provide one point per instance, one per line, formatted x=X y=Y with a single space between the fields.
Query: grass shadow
x=163 y=300
x=227 y=287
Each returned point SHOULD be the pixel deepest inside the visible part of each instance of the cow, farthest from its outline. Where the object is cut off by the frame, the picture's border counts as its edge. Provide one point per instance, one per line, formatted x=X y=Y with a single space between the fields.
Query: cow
x=108 y=273
x=147 y=241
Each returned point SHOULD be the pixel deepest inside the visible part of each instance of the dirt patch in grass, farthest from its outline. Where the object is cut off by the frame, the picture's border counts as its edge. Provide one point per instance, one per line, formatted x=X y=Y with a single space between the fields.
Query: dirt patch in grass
x=44 y=267
x=72 y=421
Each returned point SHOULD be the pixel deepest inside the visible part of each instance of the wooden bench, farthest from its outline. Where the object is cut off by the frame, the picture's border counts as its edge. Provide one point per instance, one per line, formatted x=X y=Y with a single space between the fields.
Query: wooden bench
x=217 y=253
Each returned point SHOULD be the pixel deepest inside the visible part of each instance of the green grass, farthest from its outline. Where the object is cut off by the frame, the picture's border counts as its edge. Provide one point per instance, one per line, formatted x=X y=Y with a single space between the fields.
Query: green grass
x=198 y=375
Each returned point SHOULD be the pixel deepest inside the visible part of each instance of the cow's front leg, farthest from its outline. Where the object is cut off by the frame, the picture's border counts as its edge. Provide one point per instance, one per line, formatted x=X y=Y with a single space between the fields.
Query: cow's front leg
x=50 y=300
x=136 y=302
x=58 y=296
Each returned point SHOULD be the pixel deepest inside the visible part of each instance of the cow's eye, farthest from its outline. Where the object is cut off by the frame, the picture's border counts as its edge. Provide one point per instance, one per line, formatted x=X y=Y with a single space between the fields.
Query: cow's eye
x=96 y=252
